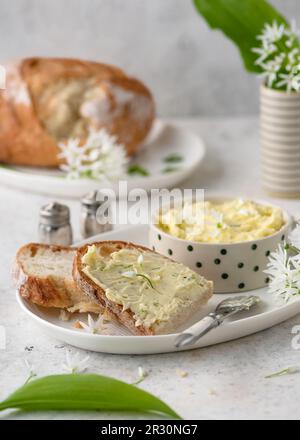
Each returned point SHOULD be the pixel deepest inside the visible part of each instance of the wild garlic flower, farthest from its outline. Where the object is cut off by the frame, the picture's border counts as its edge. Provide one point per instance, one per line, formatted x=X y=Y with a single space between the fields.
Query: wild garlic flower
x=272 y=32
x=129 y=274
x=279 y=56
x=74 y=364
x=271 y=69
x=30 y=370
x=264 y=52
x=142 y=374
x=100 y=157
x=140 y=259
x=218 y=223
x=134 y=274
x=290 y=81
x=94 y=326
x=284 y=272
x=219 y=219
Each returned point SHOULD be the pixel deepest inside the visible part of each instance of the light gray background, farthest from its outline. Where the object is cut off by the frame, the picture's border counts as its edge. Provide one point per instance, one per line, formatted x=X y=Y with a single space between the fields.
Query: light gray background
x=191 y=69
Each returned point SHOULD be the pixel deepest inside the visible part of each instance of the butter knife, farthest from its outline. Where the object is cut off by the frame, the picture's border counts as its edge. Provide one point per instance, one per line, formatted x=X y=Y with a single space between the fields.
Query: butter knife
x=225 y=309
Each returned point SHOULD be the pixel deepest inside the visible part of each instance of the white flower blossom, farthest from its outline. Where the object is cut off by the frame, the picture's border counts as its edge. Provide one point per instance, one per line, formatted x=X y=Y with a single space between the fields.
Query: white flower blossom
x=129 y=274
x=74 y=364
x=285 y=285
x=218 y=223
x=93 y=326
x=284 y=272
x=145 y=278
x=272 y=32
x=292 y=55
x=142 y=374
x=30 y=370
x=277 y=261
x=99 y=157
x=290 y=80
x=264 y=52
x=140 y=259
x=271 y=69
x=279 y=56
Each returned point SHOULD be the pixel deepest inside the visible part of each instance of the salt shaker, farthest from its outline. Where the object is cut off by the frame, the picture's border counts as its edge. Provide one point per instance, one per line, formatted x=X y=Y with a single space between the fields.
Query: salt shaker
x=54 y=226
x=89 y=224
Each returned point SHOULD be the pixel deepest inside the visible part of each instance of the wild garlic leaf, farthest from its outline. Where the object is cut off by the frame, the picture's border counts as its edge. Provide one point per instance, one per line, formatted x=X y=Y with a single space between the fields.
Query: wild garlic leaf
x=136 y=169
x=84 y=392
x=241 y=21
x=284 y=372
x=170 y=170
x=173 y=158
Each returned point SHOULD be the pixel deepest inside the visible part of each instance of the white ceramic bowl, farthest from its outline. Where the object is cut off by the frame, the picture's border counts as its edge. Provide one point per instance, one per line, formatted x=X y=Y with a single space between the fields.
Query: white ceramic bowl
x=233 y=267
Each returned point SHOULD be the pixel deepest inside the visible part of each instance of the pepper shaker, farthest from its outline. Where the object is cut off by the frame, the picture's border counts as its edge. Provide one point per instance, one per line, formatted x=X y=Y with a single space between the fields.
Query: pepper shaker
x=89 y=224
x=54 y=226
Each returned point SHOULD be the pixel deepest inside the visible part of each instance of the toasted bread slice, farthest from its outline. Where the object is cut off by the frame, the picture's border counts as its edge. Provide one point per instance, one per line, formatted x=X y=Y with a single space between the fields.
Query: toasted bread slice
x=148 y=293
x=43 y=275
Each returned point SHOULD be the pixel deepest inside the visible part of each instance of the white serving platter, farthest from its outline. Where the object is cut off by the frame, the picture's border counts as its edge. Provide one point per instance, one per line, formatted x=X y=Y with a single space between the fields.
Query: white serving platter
x=164 y=139
x=269 y=313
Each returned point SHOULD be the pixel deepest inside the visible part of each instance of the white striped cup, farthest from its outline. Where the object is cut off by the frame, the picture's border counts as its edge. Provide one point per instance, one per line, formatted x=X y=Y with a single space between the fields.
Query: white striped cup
x=280 y=142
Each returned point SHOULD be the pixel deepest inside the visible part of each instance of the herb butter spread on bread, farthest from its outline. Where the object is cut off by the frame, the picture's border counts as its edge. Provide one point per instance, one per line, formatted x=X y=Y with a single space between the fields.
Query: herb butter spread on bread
x=159 y=294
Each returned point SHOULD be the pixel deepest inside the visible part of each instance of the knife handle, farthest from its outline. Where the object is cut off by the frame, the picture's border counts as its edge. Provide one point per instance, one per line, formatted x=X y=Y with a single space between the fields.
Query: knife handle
x=196 y=331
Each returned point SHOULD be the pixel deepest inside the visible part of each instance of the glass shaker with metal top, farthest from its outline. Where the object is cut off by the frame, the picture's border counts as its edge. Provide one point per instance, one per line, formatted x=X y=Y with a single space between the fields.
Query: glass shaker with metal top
x=54 y=226
x=89 y=222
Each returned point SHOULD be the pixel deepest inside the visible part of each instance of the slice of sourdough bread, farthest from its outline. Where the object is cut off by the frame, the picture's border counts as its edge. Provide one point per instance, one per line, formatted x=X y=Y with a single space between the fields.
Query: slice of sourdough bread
x=43 y=275
x=145 y=291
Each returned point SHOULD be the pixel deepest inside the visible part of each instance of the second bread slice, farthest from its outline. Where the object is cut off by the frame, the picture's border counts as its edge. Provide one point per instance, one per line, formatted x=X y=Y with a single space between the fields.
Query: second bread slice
x=43 y=275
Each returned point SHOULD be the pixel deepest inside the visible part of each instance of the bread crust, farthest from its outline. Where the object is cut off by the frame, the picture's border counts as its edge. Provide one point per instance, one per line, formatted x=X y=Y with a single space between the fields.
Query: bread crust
x=94 y=291
x=44 y=291
x=24 y=139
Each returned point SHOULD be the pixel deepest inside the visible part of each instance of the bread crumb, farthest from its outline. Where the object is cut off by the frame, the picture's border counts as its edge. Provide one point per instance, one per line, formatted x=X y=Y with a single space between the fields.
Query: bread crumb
x=181 y=373
x=77 y=325
x=212 y=392
x=64 y=315
x=106 y=317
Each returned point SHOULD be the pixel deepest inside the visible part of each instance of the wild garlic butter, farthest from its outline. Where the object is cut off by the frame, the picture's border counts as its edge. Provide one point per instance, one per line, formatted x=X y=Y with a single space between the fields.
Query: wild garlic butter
x=232 y=221
x=153 y=287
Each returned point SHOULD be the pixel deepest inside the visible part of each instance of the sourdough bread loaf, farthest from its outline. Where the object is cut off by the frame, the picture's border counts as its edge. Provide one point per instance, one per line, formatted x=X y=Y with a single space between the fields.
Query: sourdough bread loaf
x=50 y=100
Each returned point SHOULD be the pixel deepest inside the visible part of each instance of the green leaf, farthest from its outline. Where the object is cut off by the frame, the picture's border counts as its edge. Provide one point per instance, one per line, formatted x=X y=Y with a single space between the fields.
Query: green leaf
x=173 y=158
x=170 y=170
x=241 y=21
x=137 y=169
x=84 y=392
x=289 y=370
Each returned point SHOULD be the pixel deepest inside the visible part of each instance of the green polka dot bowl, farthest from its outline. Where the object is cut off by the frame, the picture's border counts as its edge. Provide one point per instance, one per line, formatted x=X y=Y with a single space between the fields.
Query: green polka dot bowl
x=233 y=267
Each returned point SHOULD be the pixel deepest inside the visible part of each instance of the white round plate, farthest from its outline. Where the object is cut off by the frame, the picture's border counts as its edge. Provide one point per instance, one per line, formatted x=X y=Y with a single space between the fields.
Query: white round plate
x=267 y=314
x=164 y=140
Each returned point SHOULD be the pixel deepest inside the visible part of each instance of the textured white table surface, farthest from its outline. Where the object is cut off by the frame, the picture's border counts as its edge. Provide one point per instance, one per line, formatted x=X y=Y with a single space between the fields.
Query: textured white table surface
x=223 y=381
